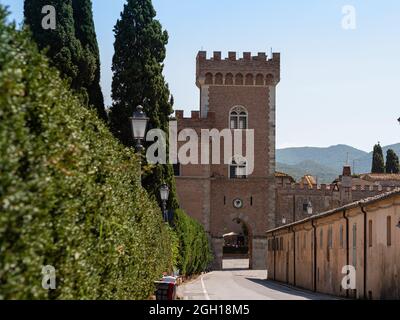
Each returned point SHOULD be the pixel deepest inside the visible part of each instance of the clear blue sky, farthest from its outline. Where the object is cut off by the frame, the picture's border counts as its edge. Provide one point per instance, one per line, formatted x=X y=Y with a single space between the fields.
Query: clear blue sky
x=337 y=86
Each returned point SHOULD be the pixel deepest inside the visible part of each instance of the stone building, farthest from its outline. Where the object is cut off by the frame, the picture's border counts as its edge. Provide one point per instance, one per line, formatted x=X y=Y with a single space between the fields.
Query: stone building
x=293 y=199
x=235 y=94
x=365 y=235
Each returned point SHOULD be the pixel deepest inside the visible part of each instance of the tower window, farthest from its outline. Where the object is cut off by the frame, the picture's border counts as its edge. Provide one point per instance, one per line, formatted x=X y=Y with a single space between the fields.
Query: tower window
x=238 y=118
x=238 y=169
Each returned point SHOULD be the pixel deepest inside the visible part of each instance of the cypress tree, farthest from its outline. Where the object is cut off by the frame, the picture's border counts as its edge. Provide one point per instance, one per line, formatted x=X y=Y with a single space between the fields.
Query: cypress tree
x=63 y=48
x=137 y=79
x=86 y=34
x=378 y=164
x=76 y=62
x=392 y=162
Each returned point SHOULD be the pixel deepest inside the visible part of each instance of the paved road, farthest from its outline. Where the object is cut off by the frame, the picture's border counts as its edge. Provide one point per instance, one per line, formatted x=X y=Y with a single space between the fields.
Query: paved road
x=242 y=285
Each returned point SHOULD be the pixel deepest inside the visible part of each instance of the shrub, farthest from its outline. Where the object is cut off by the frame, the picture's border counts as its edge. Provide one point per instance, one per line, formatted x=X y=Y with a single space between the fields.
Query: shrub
x=70 y=194
x=194 y=246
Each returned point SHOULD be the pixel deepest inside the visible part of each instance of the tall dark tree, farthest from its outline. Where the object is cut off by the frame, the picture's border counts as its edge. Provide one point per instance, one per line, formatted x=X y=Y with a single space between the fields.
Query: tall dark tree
x=76 y=62
x=86 y=34
x=392 y=162
x=378 y=162
x=138 y=80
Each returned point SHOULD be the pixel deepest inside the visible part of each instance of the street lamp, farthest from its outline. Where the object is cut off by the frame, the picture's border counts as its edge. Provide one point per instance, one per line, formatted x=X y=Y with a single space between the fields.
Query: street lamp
x=164 y=194
x=139 y=122
x=398 y=120
x=283 y=220
x=309 y=208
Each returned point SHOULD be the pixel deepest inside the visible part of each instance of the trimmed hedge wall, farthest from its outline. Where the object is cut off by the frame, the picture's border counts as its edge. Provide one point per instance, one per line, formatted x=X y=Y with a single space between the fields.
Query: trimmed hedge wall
x=70 y=195
x=194 y=247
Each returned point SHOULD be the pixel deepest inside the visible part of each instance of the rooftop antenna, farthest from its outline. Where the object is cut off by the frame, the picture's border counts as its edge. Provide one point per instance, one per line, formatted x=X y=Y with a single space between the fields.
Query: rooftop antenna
x=271 y=53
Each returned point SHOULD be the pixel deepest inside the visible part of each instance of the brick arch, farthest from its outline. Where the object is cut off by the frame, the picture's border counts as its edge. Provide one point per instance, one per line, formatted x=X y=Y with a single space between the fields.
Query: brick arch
x=244 y=218
x=239 y=79
x=249 y=79
x=229 y=79
x=260 y=79
x=269 y=78
x=209 y=78
x=219 y=78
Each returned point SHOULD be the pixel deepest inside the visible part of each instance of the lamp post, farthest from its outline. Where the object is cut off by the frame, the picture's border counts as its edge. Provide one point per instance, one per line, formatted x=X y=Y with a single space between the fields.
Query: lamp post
x=139 y=122
x=164 y=194
x=283 y=220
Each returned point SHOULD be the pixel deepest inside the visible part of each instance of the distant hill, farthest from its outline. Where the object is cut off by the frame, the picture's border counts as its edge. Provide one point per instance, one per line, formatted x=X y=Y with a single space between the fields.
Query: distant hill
x=323 y=173
x=334 y=157
x=325 y=163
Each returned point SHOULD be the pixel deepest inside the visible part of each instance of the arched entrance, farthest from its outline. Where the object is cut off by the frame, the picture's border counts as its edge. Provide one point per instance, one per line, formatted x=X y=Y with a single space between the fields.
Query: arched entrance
x=237 y=246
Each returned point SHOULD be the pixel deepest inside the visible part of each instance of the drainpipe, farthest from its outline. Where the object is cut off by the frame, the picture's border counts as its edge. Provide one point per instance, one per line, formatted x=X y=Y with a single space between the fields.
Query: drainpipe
x=294 y=257
x=365 y=250
x=347 y=244
x=315 y=255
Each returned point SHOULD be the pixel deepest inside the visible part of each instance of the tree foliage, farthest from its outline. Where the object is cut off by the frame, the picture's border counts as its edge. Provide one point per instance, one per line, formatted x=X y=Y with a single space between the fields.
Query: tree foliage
x=378 y=162
x=138 y=80
x=72 y=46
x=70 y=194
x=194 y=246
x=392 y=162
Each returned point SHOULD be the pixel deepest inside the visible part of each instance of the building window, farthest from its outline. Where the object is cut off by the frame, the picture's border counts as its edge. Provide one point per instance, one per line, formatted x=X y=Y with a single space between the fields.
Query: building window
x=238 y=118
x=354 y=245
x=370 y=233
x=389 y=230
x=177 y=169
x=238 y=168
x=330 y=238
x=321 y=239
x=341 y=238
x=229 y=79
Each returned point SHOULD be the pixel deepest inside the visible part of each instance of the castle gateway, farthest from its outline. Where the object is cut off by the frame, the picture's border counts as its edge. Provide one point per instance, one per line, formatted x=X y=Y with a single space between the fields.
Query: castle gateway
x=235 y=94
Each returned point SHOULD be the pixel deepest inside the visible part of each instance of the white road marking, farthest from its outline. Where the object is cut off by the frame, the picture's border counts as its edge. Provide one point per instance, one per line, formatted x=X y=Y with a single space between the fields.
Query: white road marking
x=204 y=289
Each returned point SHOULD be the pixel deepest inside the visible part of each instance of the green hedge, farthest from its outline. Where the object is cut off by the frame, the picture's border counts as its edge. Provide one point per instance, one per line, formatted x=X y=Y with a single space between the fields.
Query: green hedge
x=70 y=195
x=194 y=247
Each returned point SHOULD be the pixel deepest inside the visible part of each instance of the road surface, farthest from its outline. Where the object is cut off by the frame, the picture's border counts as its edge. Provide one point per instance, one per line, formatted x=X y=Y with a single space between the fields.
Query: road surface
x=234 y=284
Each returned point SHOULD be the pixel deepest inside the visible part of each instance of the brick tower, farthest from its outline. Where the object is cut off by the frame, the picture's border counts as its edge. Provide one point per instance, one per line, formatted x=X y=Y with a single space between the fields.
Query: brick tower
x=234 y=94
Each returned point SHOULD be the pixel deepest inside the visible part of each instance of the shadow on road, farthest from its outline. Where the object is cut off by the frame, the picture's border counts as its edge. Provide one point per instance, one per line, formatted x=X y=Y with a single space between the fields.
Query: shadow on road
x=291 y=291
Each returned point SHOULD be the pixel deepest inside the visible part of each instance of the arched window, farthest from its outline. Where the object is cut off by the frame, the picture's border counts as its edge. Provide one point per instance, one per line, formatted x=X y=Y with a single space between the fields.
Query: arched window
x=229 y=79
x=239 y=79
x=209 y=78
x=218 y=78
x=259 y=80
x=270 y=79
x=238 y=168
x=238 y=118
x=249 y=80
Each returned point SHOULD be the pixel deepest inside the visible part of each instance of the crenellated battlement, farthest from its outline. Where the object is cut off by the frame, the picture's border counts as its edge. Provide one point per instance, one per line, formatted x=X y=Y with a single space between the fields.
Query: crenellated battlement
x=332 y=187
x=195 y=120
x=259 y=70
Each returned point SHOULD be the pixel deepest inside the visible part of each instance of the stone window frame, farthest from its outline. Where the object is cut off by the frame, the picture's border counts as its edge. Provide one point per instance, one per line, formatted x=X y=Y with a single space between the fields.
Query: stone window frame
x=239 y=115
x=237 y=162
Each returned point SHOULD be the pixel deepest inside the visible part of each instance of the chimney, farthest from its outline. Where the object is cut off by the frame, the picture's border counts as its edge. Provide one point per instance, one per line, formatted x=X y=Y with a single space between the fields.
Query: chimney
x=346 y=171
